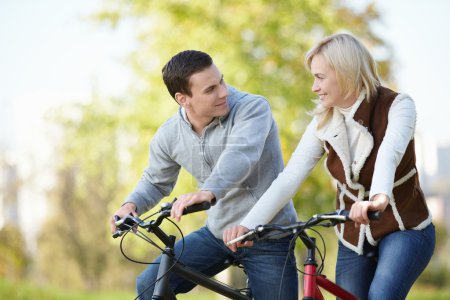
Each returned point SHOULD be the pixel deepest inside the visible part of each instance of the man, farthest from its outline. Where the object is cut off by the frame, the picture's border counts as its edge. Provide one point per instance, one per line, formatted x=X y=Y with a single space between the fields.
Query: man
x=229 y=142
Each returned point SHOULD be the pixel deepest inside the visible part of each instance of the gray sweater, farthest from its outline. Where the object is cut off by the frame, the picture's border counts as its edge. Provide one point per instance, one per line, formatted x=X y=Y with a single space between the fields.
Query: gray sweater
x=236 y=157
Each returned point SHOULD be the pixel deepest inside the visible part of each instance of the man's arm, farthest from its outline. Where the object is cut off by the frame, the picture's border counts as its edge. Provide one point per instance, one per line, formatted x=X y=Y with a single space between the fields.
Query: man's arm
x=157 y=182
x=158 y=179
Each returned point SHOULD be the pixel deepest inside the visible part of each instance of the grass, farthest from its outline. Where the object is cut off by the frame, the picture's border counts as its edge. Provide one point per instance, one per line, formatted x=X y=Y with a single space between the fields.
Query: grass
x=21 y=290
x=428 y=293
x=27 y=291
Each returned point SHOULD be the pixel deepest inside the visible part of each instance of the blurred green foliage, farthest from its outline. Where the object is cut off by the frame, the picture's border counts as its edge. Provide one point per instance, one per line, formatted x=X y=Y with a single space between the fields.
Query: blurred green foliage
x=259 y=46
x=437 y=273
x=13 y=259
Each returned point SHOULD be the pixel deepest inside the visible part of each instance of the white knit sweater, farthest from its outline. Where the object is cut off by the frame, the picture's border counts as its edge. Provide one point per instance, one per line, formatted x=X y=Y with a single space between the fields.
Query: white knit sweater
x=399 y=132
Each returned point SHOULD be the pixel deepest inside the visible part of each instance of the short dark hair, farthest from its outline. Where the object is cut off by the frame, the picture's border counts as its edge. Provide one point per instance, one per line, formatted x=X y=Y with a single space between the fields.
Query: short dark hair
x=177 y=72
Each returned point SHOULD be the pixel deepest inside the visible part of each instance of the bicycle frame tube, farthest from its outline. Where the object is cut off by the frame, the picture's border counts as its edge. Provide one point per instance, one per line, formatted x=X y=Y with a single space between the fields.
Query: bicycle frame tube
x=310 y=290
x=334 y=289
x=312 y=281
x=162 y=288
x=208 y=283
x=167 y=266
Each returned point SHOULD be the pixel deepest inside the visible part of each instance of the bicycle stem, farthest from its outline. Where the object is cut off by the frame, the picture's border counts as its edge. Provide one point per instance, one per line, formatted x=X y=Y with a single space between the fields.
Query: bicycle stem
x=309 y=287
x=168 y=240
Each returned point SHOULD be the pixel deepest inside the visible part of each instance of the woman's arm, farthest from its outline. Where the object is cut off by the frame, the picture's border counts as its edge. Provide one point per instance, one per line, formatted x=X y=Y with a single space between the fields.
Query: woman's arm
x=399 y=132
x=305 y=157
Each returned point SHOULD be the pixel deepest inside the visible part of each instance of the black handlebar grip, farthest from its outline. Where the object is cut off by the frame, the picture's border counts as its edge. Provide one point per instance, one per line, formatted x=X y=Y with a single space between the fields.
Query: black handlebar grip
x=197 y=207
x=374 y=215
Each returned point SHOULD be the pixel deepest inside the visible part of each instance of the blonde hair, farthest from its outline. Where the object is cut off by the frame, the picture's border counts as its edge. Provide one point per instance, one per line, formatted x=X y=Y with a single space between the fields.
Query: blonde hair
x=355 y=68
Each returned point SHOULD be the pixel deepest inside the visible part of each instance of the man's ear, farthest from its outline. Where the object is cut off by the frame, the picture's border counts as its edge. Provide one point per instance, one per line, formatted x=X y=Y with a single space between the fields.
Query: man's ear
x=181 y=99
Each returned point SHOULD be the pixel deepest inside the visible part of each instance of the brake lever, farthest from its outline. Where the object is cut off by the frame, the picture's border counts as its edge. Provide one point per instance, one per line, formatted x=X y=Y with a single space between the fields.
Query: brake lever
x=126 y=223
x=332 y=223
x=246 y=235
x=117 y=233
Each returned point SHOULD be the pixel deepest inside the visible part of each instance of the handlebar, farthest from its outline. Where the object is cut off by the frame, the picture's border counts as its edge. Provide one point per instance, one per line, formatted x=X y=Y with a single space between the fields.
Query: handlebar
x=130 y=222
x=334 y=218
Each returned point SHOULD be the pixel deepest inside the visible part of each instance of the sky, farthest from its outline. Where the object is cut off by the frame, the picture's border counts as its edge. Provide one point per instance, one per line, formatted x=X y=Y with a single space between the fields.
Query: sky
x=418 y=32
x=50 y=54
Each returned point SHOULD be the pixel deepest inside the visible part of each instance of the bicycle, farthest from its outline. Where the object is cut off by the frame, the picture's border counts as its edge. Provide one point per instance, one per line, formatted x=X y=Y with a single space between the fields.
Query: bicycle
x=169 y=262
x=313 y=280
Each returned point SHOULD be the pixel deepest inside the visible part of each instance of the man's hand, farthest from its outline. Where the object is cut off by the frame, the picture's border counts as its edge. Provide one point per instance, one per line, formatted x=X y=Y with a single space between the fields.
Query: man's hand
x=186 y=200
x=124 y=210
x=234 y=232
x=358 y=212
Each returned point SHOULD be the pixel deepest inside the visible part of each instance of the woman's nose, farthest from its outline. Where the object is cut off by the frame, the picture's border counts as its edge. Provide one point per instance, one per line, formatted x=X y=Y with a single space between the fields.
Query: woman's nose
x=315 y=87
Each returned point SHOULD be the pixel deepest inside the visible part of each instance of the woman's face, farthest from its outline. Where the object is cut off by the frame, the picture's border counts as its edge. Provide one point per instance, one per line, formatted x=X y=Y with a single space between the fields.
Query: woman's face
x=326 y=85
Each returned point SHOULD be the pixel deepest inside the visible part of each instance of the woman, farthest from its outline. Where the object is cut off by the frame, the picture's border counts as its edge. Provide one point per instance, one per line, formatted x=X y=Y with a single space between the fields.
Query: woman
x=367 y=131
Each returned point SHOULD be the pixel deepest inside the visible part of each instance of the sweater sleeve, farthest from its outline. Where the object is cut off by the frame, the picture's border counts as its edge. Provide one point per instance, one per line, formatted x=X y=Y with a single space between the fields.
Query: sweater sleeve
x=158 y=178
x=399 y=132
x=305 y=157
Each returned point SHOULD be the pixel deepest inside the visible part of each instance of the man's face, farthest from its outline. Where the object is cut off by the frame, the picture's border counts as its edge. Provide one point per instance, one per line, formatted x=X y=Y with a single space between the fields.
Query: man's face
x=209 y=96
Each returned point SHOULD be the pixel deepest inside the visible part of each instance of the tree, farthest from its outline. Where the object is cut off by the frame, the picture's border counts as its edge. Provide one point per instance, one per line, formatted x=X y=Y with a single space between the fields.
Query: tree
x=77 y=249
x=13 y=261
x=259 y=46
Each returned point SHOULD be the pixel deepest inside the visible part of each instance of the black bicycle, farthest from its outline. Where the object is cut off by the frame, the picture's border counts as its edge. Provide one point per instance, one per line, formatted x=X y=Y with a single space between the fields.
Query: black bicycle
x=169 y=262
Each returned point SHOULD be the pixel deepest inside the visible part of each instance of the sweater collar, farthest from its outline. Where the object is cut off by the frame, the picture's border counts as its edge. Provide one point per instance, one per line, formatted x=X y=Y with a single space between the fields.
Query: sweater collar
x=349 y=112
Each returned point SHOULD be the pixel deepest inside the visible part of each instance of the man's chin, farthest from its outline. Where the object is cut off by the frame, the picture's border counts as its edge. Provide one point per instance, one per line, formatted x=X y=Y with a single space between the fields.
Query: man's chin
x=223 y=112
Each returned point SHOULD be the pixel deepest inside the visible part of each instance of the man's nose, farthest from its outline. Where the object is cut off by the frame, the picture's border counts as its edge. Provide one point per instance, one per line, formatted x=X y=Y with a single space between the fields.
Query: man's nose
x=223 y=91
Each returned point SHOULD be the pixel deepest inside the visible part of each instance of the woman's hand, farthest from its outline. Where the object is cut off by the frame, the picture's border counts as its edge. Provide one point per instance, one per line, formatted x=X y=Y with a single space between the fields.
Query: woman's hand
x=358 y=212
x=234 y=232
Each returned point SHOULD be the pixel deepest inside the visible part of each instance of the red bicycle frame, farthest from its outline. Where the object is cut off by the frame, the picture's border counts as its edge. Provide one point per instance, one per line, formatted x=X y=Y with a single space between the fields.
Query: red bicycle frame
x=312 y=281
